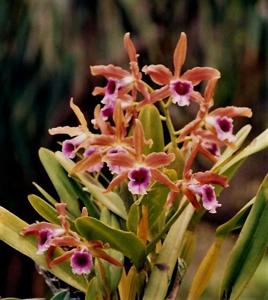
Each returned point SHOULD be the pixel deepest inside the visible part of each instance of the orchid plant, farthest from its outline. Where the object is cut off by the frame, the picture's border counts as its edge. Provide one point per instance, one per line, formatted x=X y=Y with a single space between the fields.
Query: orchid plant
x=130 y=193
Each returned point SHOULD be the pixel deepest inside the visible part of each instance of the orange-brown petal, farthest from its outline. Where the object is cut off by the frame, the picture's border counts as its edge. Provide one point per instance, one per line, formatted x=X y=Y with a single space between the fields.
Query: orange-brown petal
x=162 y=178
x=61 y=258
x=71 y=131
x=180 y=54
x=117 y=181
x=121 y=159
x=232 y=111
x=80 y=116
x=158 y=73
x=129 y=46
x=109 y=71
x=138 y=138
x=197 y=74
x=210 y=177
x=159 y=159
x=88 y=162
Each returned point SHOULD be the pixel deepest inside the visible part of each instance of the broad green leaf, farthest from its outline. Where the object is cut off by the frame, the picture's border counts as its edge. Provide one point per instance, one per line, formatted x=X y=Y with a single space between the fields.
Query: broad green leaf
x=111 y=200
x=86 y=200
x=123 y=241
x=10 y=229
x=155 y=200
x=152 y=126
x=93 y=291
x=44 y=209
x=60 y=180
x=178 y=163
x=47 y=211
x=236 y=221
x=133 y=218
x=63 y=295
x=249 y=248
x=112 y=273
x=160 y=277
x=230 y=150
x=45 y=194
x=258 y=144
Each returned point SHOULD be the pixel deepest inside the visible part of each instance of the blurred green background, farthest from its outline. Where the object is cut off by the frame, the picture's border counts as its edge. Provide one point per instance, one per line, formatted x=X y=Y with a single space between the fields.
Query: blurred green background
x=46 y=48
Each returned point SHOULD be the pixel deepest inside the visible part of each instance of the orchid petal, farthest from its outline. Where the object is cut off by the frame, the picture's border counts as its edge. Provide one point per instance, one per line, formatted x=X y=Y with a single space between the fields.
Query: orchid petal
x=210 y=177
x=61 y=258
x=198 y=74
x=71 y=131
x=88 y=162
x=138 y=138
x=36 y=227
x=158 y=73
x=162 y=178
x=129 y=46
x=159 y=159
x=121 y=159
x=117 y=181
x=231 y=112
x=180 y=54
x=78 y=114
x=98 y=91
x=109 y=71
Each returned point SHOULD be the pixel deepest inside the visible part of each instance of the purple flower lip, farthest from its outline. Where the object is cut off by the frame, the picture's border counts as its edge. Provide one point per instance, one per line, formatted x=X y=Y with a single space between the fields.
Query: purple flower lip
x=107 y=111
x=114 y=169
x=213 y=148
x=181 y=92
x=111 y=87
x=97 y=167
x=139 y=180
x=81 y=262
x=69 y=146
x=44 y=237
x=223 y=127
x=207 y=195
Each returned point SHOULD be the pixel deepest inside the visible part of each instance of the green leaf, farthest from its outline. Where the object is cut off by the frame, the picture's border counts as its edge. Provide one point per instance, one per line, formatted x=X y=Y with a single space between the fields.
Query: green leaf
x=249 y=248
x=152 y=126
x=47 y=211
x=123 y=241
x=133 y=218
x=112 y=273
x=93 y=291
x=10 y=229
x=236 y=221
x=111 y=200
x=160 y=277
x=45 y=194
x=60 y=180
x=230 y=150
x=155 y=200
x=63 y=295
x=258 y=144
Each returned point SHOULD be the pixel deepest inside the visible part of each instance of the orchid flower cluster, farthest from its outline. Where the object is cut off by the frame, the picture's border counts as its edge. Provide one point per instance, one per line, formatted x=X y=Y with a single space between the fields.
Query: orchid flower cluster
x=138 y=178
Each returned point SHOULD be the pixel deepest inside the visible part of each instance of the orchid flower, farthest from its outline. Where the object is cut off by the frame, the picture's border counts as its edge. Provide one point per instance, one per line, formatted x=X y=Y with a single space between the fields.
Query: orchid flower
x=178 y=86
x=212 y=130
x=120 y=82
x=79 y=134
x=139 y=168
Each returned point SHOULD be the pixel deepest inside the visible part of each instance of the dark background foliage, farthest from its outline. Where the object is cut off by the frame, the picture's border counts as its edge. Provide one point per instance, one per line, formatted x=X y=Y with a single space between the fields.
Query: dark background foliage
x=46 y=48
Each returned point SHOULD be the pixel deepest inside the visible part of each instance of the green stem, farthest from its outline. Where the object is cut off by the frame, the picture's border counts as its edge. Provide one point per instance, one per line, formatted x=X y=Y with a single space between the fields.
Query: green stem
x=170 y=222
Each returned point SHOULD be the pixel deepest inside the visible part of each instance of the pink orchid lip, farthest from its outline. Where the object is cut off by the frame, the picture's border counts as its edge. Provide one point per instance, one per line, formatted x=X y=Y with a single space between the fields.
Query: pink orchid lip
x=208 y=196
x=181 y=91
x=81 y=262
x=97 y=167
x=114 y=169
x=213 y=148
x=139 y=180
x=107 y=111
x=69 y=146
x=224 y=128
x=44 y=236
